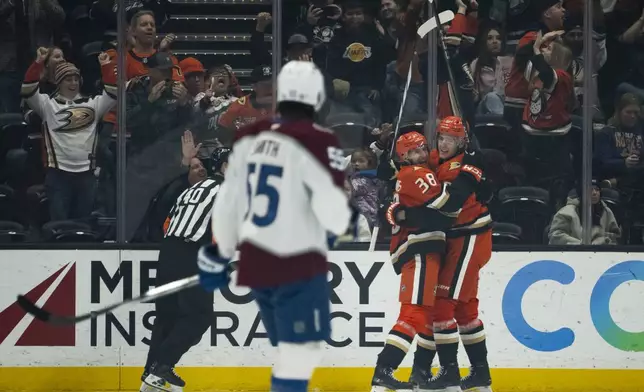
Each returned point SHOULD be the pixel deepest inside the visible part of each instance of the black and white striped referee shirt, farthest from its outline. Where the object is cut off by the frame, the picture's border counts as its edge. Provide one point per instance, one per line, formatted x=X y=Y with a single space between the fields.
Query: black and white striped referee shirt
x=189 y=218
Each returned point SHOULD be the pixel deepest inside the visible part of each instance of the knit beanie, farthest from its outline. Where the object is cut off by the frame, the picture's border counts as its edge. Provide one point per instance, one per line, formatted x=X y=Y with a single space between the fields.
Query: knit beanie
x=63 y=70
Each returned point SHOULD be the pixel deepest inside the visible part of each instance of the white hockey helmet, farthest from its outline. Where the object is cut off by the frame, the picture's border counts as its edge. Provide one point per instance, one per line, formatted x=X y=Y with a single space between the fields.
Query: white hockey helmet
x=301 y=82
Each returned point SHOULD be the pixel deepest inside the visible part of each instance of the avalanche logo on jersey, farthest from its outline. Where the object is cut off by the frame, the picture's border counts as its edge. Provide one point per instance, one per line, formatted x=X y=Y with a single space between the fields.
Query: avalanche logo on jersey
x=74 y=119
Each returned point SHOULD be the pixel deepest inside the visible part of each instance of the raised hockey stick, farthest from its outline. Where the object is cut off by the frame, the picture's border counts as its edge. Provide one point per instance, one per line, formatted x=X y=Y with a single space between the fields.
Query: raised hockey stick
x=452 y=80
x=157 y=292
x=423 y=30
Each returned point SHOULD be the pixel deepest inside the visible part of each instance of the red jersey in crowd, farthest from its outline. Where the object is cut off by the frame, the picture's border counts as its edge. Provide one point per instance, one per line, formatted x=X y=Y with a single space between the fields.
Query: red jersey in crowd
x=136 y=65
x=243 y=111
x=549 y=111
x=517 y=91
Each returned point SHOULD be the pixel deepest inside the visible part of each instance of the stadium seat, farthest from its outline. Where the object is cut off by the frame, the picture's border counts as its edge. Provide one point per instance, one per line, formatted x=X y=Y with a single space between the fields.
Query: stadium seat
x=68 y=232
x=11 y=232
x=38 y=205
x=9 y=209
x=13 y=132
x=506 y=233
x=527 y=207
x=493 y=131
x=350 y=128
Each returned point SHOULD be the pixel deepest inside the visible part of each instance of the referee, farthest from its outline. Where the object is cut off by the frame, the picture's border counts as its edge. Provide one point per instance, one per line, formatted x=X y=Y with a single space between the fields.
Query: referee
x=182 y=318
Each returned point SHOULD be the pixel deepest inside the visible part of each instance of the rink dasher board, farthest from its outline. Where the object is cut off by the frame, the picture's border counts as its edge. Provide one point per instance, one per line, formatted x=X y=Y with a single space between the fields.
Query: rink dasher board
x=549 y=316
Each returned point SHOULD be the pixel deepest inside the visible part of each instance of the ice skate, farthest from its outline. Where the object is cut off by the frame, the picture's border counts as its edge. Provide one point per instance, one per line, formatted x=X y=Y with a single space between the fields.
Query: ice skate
x=163 y=378
x=420 y=376
x=383 y=380
x=448 y=379
x=478 y=380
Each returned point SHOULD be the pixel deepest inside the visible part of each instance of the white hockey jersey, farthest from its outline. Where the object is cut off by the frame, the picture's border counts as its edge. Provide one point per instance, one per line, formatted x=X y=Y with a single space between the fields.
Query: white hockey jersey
x=283 y=192
x=69 y=126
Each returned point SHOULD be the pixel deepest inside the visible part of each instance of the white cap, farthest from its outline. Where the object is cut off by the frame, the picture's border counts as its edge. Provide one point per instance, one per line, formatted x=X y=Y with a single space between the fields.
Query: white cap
x=301 y=82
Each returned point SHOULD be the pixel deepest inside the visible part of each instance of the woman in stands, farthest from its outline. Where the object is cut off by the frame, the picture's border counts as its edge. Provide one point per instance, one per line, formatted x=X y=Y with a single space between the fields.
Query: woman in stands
x=566 y=225
x=490 y=70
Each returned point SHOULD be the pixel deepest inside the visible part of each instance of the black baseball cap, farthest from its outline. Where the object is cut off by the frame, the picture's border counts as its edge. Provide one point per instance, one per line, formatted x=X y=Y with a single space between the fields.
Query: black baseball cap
x=160 y=60
x=261 y=73
x=298 y=39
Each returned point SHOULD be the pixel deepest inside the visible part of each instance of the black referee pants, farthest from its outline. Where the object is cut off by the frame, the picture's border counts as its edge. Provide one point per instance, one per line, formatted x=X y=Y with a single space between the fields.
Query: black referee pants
x=182 y=318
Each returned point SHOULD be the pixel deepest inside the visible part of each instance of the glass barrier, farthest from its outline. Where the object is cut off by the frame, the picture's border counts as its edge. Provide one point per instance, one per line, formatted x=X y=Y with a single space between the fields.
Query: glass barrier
x=617 y=142
x=54 y=91
x=198 y=70
x=194 y=78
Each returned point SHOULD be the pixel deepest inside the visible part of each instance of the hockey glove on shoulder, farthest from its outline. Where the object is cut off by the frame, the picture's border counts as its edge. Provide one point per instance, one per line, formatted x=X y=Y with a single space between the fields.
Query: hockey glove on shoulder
x=213 y=269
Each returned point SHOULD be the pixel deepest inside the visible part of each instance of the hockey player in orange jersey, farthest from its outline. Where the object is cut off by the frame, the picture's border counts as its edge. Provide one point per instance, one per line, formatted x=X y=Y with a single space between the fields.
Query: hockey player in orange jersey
x=469 y=248
x=416 y=255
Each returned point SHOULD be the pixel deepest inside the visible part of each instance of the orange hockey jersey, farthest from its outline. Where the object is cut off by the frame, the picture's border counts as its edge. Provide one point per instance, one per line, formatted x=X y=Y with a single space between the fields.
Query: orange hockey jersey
x=472 y=217
x=416 y=186
x=135 y=65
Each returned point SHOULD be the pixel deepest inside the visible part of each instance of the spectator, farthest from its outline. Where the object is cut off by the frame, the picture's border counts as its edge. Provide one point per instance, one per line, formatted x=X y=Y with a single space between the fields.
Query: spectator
x=298 y=46
x=321 y=25
x=459 y=35
x=551 y=16
x=223 y=84
x=194 y=75
x=364 y=233
x=155 y=103
x=574 y=39
x=408 y=53
x=490 y=70
x=618 y=147
x=356 y=64
x=388 y=26
x=246 y=110
x=551 y=86
x=566 y=225
x=47 y=80
x=70 y=123
x=138 y=58
x=365 y=183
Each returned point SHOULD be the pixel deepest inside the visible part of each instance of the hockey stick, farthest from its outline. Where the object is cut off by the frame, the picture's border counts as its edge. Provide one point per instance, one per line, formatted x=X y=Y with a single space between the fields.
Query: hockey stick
x=423 y=30
x=450 y=73
x=155 y=293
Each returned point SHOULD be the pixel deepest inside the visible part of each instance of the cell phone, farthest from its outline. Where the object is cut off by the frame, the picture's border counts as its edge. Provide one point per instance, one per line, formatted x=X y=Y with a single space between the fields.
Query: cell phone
x=329 y=11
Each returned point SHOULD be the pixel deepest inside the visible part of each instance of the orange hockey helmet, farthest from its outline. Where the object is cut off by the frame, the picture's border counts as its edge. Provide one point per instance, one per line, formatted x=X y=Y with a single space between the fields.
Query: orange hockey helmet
x=409 y=141
x=452 y=126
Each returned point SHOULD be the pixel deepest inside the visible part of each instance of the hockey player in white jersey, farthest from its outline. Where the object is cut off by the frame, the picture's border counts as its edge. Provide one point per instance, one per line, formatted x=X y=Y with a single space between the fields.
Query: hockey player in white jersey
x=282 y=198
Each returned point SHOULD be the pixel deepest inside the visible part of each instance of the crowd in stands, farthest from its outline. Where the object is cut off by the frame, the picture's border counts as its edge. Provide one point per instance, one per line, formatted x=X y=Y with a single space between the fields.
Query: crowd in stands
x=518 y=70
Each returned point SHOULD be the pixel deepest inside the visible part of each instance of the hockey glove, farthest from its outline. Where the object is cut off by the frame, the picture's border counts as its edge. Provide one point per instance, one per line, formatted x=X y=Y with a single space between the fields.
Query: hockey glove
x=213 y=269
x=395 y=214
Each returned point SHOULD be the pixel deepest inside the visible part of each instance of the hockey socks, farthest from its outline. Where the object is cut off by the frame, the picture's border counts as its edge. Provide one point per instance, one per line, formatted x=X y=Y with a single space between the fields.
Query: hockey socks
x=396 y=347
x=425 y=352
x=473 y=338
x=446 y=336
x=288 y=385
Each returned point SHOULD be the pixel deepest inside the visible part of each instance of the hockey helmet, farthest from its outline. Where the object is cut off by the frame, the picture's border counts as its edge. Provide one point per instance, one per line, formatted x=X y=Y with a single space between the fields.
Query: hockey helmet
x=218 y=158
x=301 y=82
x=451 y=126
x=409 y=141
